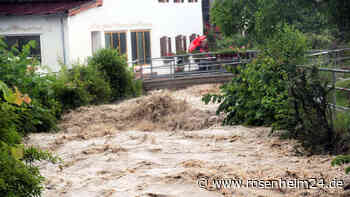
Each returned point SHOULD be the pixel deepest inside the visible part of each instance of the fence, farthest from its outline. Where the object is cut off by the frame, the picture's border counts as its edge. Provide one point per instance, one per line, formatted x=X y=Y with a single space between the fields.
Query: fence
x=336 y=58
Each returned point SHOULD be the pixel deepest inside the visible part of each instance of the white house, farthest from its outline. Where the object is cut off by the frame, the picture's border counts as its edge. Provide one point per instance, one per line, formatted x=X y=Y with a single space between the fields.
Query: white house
x=71 y=30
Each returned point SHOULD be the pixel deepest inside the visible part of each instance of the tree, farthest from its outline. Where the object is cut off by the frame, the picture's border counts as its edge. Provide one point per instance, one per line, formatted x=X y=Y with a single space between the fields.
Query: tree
x=259 y=19
x=339 y=14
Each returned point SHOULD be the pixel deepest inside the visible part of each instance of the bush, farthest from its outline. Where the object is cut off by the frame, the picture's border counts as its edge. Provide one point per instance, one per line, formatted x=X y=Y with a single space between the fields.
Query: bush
x=115 y=70
x=320 y=41
x=18 y=69
x=236 y=41
x=18 y=176
x=259 y=94
x=309 y=117
x=273 y=91
x=82 y=85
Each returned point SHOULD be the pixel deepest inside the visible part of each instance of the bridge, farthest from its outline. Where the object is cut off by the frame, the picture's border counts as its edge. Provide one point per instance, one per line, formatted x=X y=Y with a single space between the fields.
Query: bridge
x=180 y=71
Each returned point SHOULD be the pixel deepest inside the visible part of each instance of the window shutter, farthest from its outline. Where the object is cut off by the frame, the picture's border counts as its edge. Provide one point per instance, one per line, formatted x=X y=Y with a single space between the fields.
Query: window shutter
x=163 y=50
x=169 y=45
x=184 y=43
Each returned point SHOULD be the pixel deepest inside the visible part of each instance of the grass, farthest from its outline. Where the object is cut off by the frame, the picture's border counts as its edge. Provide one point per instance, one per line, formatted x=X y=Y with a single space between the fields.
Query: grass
x=343 y=97
x=342 y=121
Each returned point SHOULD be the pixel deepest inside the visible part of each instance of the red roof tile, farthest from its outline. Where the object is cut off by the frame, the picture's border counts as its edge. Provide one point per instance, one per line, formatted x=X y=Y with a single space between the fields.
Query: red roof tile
x=44 y=8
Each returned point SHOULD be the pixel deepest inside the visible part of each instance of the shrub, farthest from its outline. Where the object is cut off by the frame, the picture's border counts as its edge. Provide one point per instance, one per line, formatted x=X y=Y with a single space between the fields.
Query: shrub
x=320 y=41
x=82 y=85
x=273 y=91
x=18 y=176
x=235 y=41
x=115 y=70
x=308 y=118
x=259 y=93
x=18 y=69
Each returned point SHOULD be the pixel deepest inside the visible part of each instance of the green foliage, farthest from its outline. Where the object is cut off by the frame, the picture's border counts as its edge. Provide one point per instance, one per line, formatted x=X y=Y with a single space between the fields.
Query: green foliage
x=82 y=85
x=272 y=90
x=115 y=70
x=19 y=71
x=343 y=97
x=258 y=94
x=8 y=127
x=309 y=116
x=341 y=160
x=323 y=40
x=18 y=177
x=234 y=41
x=339 y=14
x=258 y=19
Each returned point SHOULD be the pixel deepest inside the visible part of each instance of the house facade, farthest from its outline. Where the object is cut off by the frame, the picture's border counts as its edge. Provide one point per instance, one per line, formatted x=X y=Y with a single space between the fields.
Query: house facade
x=68 y=31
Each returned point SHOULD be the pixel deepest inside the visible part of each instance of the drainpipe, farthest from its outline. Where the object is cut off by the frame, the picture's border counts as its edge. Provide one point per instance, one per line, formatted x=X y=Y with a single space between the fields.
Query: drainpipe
x=63 y=41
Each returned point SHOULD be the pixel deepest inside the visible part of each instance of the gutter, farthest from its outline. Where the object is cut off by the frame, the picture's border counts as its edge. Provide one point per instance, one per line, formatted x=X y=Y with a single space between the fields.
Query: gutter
x=63 y=40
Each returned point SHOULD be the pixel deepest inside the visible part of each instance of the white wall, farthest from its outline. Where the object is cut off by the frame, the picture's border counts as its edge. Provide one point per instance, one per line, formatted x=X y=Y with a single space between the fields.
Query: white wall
x=49 y=29
x=162 y=19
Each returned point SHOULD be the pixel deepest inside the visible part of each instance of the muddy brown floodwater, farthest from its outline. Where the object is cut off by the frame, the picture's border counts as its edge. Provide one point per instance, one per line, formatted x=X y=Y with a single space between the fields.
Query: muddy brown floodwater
x=160 y=145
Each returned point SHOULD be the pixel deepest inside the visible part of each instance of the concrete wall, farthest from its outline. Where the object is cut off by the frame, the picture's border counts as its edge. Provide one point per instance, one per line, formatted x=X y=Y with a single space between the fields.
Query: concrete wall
x=162 y=19
x=49 y=29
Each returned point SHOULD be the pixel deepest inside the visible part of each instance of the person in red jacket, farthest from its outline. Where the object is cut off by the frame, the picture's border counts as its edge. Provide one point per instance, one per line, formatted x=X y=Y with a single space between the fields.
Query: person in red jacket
x=199 y=44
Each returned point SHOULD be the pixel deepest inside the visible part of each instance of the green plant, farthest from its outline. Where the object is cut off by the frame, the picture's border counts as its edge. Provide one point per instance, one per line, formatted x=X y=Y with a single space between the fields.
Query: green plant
x=341 y=160
x=18 y=70
x=18 y=176
x=343 y=97
x=320 y=41
x=115 y=69
x=259 y=93
x=234 y=41
x=81 y=85
x=309 y=118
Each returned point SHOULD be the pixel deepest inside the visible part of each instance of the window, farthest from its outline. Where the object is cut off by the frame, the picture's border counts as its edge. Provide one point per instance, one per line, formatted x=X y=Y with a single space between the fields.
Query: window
x=178 y=1
x=192 y=1
x=141 y=46
x=163 y=1
x=20 y=41
x=116 y=40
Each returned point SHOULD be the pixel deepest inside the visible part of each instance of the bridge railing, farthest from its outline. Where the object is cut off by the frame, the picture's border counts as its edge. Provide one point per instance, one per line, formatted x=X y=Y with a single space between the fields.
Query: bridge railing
x=171 y=67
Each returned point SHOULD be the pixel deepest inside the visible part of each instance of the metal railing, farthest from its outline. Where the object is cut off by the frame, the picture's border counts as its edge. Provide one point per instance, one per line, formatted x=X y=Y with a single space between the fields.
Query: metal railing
x=176 y=66
x=212 y=63
x=333 y=58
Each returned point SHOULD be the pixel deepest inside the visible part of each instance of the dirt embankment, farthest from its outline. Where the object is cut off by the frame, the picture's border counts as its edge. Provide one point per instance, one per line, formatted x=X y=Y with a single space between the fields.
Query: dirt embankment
x=160 y=145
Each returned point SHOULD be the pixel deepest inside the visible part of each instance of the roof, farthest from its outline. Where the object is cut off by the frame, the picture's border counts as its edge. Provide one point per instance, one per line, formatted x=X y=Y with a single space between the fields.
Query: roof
x=46 y=7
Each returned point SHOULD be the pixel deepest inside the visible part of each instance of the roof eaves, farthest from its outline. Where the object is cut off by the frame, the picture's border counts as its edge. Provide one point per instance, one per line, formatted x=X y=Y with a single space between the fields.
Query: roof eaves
x=85 y=6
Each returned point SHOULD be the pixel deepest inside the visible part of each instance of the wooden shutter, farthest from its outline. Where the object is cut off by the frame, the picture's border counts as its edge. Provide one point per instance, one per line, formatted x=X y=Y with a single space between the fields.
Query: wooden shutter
x=163 y=46
x=184 y=39
x=169 y=46
x=179 y=43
